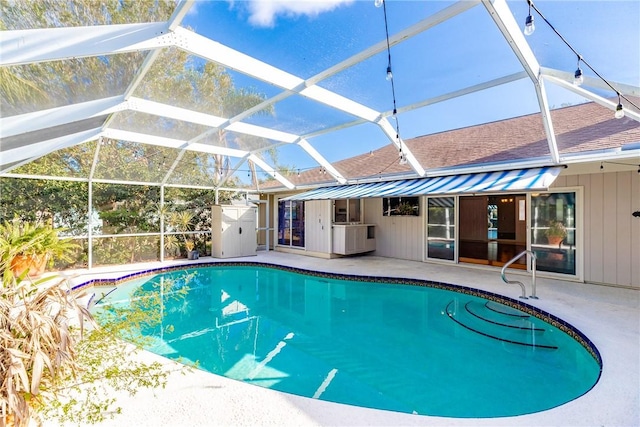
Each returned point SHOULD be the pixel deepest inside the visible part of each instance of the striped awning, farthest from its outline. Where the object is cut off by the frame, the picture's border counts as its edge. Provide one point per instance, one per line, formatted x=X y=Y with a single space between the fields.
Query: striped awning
x=487 y=182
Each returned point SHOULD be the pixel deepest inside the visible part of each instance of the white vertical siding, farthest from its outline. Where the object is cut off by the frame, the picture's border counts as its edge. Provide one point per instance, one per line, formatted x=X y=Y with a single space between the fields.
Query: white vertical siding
x=611 y=233
x=595 y=228
x=634 y=235
x=623 y=237
x=396 y=236
x=609 y=228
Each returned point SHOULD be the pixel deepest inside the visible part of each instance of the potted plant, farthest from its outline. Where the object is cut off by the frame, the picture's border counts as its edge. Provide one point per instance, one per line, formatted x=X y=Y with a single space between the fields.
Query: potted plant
x=182 y=222
x=556 y=233
x=405 y=208
x=30 y=246
x=171 y=245
x=191 y=252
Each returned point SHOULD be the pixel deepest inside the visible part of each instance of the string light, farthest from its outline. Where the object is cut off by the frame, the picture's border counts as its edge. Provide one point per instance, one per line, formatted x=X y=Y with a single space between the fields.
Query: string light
x=402 y=156
x=577 y=76
x=616 y=163
x=619 y=111
x=529 y=26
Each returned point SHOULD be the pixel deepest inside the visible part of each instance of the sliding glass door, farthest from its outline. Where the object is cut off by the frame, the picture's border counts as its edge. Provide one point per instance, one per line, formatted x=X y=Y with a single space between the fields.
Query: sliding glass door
x=291 y=223
x=492 y=229
x=553 y=231
x=441 y=228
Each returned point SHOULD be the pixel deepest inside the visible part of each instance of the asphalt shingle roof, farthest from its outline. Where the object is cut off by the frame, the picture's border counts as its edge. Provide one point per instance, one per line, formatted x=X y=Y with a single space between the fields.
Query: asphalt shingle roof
x=579 y=128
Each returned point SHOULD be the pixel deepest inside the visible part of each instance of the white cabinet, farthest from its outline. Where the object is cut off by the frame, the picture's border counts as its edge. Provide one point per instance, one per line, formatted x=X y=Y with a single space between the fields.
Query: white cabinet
x=233 y=231
x=353 y=238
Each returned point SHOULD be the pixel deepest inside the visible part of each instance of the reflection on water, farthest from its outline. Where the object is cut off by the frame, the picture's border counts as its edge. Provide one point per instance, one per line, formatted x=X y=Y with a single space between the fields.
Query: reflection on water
x=385 y=346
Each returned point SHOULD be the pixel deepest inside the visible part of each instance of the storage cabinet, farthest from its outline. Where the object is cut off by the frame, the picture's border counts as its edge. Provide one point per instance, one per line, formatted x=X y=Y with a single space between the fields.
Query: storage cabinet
x=233 y=231
x=353 y=239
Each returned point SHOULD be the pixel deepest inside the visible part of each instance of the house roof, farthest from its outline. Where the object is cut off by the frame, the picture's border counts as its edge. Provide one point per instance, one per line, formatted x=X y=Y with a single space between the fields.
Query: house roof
x=580 y=130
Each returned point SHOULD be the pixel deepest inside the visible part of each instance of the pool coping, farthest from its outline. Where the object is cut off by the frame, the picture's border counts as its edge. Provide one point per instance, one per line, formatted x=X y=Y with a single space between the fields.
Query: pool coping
x=517 y=304
x=610 y=316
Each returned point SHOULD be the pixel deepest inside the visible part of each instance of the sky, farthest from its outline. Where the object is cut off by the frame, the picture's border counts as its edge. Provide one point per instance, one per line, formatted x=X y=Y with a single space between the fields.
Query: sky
x=306 y=37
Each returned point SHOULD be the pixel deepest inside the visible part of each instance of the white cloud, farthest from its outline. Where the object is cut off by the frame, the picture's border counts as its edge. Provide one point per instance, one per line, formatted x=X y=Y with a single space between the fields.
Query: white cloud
x=193 y=10
x=263 y=13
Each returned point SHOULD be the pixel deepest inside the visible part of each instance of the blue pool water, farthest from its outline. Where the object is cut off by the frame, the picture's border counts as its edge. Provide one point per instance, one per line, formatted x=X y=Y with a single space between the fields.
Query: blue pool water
x=418 y=349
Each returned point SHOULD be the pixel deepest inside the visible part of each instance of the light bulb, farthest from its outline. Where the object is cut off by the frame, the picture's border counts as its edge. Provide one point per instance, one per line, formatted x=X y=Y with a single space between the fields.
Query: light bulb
x=403 y=158
x=529 y=27
x=389 y=73
x=619 y=112
x=578 y=79
x=378 y=3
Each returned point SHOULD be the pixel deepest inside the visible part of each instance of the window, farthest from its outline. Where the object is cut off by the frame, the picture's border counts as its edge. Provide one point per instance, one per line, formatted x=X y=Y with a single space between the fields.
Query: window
x=441 y=228
x=346 y=210
x=392 y=206
x=553 y=231
x=291 y=223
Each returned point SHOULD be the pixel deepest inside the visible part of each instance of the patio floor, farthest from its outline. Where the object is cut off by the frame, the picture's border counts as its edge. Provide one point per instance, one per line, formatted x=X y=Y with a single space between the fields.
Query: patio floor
x=609 y=316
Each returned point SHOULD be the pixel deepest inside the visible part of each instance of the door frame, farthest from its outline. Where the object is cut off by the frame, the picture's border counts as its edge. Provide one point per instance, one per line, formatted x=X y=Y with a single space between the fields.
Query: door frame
x=579 y=232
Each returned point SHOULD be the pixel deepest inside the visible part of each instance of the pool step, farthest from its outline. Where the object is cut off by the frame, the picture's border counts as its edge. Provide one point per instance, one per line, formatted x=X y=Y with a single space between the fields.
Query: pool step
x=499 y=322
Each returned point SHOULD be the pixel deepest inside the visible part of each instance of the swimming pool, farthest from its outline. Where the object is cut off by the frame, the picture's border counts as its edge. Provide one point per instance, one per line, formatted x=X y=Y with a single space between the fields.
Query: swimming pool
x=427 y=348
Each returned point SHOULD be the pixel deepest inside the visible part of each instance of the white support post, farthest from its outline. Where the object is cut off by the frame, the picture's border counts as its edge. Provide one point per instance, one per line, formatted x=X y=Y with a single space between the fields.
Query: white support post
x=92 y=171
x=90 y=225
x=162 y=223
x=304 y=144
x=506 y=23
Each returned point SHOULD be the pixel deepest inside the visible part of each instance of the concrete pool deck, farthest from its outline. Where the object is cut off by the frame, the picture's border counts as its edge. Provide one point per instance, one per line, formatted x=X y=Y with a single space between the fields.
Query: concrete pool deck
x=608 y=316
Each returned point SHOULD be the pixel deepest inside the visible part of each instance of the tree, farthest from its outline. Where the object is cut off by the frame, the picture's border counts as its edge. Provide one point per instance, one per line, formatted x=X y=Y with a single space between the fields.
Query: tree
x=51 y=84
x=50 y=366
x=176 y=78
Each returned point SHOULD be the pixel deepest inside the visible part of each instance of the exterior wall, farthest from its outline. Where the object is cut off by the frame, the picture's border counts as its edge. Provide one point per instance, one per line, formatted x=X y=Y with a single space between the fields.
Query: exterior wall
x=317 y=226
x=396 y=236
x=611 y=233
